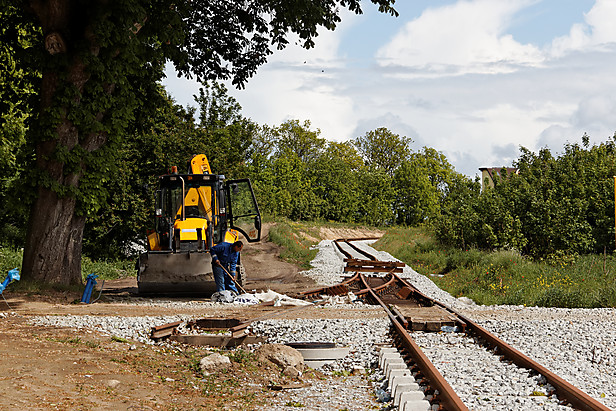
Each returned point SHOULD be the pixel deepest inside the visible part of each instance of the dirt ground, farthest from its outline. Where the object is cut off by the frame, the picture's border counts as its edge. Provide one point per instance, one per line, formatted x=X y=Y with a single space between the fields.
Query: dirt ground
x=61 y=368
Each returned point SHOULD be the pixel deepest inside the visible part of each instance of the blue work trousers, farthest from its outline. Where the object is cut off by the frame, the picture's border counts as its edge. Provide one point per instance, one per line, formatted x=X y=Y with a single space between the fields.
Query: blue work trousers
x=223 y=281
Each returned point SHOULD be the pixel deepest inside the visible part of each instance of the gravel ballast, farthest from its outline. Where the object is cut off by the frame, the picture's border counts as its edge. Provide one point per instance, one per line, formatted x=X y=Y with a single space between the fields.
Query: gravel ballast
x=577 y=344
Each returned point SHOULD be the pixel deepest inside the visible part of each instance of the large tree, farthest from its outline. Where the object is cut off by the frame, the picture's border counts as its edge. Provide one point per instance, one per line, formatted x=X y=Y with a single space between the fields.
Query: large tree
x=100 y=61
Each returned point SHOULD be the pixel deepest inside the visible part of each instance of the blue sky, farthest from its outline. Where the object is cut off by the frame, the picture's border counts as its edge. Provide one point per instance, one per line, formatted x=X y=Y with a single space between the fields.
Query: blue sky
x=475 y=79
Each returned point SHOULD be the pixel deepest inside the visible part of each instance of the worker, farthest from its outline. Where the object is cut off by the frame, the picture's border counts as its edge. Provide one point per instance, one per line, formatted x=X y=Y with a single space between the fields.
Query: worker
x=225 y=255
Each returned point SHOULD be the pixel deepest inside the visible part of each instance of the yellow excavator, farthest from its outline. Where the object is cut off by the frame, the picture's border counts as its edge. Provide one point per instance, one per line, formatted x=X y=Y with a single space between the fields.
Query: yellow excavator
x=195 y=211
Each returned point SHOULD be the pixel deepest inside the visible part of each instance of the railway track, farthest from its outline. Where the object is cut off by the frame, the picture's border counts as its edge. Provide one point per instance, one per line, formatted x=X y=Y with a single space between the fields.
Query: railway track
x=411 y=311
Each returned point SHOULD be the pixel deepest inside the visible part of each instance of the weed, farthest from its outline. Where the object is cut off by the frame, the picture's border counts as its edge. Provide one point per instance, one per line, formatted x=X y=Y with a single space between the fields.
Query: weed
x=296 y=404
x=119 y=339
x=241 y=356
x=296 y=248
x=505 y=277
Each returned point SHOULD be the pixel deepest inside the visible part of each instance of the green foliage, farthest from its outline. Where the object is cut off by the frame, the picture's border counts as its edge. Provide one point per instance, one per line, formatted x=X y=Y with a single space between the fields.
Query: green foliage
x=383 y=149
x=297 y=249
x=506 y=277
x=17 y=92
x=554 y=208
x=9 y=259
x=422 y=182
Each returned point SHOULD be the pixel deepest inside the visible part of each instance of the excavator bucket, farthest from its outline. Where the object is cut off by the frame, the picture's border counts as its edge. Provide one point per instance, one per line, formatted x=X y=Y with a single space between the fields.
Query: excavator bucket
x=175 y=273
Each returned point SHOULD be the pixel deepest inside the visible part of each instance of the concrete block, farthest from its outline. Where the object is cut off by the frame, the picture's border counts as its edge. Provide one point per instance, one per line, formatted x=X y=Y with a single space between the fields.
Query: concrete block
x=407 y=391
x=404 y=393
x=387 y=350
x=397 y=373
x=414 y=406
x=394 y=366
x=403 y=379
x=386 y=357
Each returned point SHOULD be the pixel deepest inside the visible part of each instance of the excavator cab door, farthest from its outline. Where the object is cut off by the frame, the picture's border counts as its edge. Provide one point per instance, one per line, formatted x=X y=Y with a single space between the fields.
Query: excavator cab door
x=243 y=212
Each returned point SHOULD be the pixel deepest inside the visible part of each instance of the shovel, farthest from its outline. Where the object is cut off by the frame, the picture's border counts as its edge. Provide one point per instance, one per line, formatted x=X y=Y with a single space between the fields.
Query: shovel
x=236 y=283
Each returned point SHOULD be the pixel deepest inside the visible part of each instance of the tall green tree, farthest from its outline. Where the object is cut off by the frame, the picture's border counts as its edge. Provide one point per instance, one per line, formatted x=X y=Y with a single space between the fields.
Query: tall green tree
x=100 y=61
x=293 y=137
x=554 y=207
x=383 y=149
x=421 y=182
x=18 y=81
x=335 y=182
x=165 y=136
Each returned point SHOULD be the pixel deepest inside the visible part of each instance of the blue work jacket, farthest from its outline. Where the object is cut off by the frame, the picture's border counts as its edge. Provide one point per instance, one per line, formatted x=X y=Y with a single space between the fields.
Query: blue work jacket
x=224 y=252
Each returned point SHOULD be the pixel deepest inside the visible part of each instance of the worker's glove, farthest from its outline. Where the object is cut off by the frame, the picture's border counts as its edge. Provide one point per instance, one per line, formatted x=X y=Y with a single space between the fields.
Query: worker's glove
x=233 y=273
x=217 y=262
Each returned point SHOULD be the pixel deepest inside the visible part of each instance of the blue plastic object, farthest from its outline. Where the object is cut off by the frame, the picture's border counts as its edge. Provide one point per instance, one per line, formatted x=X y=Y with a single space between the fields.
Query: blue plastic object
x=90 y=283
x=12 y=276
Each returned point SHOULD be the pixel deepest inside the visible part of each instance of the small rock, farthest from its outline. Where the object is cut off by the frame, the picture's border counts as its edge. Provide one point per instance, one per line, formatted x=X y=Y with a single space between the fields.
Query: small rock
x=281 y=355
x=466 y=300
x=132 y=347
x=215 y=362
x=291 y=372
x=113 y=383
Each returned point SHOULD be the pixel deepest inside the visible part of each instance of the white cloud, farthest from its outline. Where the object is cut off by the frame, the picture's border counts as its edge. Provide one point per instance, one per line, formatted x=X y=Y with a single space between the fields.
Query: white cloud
x=466 y=37
x=302 y=84
x=597 y=30
x=511 y=94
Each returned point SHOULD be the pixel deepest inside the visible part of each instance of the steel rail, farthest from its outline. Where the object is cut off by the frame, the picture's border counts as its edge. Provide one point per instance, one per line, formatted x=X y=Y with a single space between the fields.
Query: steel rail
x=337 y=289
x=359 y=250
x=564 y=390
x=447 y=397
x=354 y=247
x=379 y=289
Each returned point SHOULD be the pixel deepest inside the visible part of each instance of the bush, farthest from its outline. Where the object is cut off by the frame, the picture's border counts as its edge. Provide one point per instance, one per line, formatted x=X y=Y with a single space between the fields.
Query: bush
x=562 y=298
x=9 y=259
x=506 y=277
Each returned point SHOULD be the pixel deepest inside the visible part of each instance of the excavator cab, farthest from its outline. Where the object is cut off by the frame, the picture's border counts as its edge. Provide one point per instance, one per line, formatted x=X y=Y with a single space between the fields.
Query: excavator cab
x=194 y=212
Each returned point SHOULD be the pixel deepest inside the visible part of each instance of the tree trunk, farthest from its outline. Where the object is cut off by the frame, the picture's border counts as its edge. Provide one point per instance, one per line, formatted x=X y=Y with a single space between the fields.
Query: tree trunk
x=52 y=251
x=53 y=244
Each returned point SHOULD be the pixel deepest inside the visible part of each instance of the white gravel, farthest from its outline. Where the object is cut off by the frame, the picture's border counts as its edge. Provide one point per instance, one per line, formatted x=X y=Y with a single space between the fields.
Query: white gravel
x=579 y=345
x=360 y=336
x=135 y=328
x=576 y=344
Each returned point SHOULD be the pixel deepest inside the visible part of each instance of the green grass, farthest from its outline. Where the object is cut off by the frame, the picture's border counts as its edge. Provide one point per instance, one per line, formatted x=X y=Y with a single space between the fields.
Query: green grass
x=505 y=277
x=9 y=259
x=106 y=270
x=296 y=248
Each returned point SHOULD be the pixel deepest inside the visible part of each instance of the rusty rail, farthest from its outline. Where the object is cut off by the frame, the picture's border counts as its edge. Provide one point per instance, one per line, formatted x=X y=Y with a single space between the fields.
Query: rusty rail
x=165 y=330
x=564 y=390
x=447 y=397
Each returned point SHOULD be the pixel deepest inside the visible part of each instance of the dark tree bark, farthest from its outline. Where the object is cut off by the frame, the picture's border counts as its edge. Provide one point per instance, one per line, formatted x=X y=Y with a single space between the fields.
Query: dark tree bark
x=52 y=252
x=53 y=244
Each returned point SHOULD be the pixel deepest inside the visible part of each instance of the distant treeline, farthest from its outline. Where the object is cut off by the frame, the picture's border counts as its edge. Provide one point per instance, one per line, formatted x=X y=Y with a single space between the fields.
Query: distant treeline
x=553 y=207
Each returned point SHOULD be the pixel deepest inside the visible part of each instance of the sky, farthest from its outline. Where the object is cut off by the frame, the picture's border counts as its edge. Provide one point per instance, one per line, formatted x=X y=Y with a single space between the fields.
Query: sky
x=474 y=79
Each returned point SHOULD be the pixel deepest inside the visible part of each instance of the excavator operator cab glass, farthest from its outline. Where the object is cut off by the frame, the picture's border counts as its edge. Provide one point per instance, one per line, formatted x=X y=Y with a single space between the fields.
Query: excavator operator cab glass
x=184 y=197
x=244 y=215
